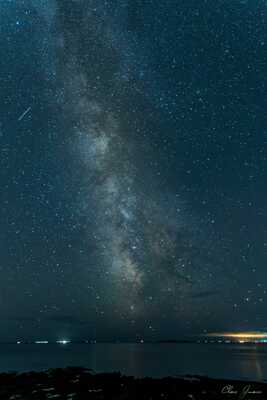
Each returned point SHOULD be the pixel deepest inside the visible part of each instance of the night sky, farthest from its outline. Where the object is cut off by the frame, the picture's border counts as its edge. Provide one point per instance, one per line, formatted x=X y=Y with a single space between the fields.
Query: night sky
x=133 y=151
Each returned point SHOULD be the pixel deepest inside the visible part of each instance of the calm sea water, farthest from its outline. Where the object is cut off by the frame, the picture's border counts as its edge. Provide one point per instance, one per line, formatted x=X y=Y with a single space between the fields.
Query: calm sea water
x=156 y=360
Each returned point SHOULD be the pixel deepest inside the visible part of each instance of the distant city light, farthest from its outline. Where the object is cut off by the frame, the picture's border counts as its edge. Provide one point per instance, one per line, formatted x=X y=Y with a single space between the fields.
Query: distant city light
x=240 y=335
x=63 y=341
x=41 y=342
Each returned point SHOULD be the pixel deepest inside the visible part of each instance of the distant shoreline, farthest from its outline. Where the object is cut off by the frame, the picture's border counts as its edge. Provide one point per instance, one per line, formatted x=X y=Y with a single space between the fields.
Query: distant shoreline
x=199 y=341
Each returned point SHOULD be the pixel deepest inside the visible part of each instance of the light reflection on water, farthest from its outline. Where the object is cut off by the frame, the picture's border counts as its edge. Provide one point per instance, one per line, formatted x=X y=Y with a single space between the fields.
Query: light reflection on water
x=215 y=360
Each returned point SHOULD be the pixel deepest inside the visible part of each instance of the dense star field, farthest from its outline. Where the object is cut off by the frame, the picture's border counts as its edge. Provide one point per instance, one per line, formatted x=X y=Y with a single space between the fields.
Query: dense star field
x=133 y=168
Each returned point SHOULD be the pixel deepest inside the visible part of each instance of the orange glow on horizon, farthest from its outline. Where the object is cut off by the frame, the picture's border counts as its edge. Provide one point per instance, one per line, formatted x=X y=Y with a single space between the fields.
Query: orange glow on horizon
x=241 y=335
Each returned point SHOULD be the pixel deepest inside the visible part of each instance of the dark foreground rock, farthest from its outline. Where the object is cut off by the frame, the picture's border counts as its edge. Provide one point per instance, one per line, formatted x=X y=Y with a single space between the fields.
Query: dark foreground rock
x=76 y=383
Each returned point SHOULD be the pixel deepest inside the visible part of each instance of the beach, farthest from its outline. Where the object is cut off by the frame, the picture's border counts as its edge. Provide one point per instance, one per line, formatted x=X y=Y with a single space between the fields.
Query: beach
x=76 y=383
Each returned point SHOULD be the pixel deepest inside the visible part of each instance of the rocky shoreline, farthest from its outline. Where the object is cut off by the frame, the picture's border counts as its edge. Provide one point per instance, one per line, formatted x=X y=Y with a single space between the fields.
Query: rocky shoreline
x=76 y=383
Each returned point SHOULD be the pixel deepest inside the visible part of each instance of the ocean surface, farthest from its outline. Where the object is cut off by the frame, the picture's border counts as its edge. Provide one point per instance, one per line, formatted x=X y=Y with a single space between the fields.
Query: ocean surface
x=155 y=360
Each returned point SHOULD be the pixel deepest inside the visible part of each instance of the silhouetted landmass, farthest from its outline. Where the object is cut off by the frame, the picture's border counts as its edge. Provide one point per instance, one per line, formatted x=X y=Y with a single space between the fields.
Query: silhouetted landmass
x=75 y=383
x=176 y=341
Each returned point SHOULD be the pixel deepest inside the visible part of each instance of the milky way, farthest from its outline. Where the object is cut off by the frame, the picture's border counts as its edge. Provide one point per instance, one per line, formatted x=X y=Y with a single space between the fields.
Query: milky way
x=145 y=249
x=136 y=235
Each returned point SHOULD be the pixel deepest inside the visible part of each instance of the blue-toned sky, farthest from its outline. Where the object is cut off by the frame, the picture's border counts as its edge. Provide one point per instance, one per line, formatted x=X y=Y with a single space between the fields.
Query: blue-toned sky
x=133 y=151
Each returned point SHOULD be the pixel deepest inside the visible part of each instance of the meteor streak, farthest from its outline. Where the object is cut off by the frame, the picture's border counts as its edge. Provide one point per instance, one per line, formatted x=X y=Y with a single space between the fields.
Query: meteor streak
x=24 y=114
